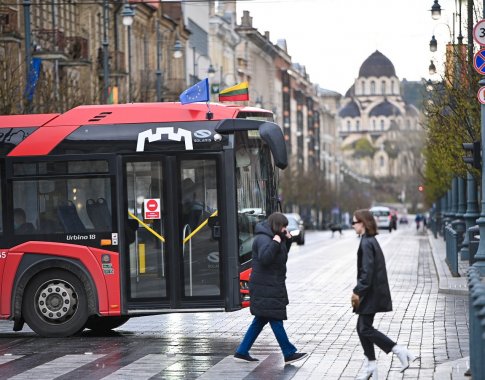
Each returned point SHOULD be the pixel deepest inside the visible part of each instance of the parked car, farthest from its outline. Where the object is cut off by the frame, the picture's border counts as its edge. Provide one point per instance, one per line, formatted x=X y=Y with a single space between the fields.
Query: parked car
x=382 y=216
x=296 y=228
x=403 y=220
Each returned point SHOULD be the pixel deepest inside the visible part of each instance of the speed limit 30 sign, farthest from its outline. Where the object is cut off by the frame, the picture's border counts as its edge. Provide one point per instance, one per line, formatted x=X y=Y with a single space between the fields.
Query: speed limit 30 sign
x=479 y=32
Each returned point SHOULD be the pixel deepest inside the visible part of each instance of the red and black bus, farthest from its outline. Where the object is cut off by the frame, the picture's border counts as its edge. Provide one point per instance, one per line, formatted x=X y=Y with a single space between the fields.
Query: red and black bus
x=115 y=211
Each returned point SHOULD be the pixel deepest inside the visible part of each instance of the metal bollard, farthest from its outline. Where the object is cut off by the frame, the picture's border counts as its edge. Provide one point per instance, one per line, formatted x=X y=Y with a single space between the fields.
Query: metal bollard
x=477 y=323
x=452 y=250
x=473 y=243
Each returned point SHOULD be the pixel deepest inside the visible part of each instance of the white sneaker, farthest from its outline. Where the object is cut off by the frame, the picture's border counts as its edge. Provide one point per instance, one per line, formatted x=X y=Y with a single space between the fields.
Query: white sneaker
x=404 y=355
x=370 y=370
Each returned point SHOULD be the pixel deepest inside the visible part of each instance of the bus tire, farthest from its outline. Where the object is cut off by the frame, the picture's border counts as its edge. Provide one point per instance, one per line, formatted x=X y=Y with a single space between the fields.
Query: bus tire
x=55 y=304
x=102 y=325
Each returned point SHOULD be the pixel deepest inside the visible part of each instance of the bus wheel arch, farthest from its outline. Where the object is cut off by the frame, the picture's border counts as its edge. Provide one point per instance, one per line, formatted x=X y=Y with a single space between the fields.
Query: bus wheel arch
x=70 y=271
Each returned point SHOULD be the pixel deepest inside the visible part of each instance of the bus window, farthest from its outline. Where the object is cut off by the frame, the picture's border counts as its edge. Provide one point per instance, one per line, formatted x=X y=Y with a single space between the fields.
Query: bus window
x=200 y=248
x=253 y=173
x=59 y=205
x=147 y=249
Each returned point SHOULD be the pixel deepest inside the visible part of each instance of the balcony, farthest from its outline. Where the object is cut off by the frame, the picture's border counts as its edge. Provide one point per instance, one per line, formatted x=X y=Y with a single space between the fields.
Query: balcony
x=8 y=26
x=49 y=44
x=116 y=63
x=77 y=51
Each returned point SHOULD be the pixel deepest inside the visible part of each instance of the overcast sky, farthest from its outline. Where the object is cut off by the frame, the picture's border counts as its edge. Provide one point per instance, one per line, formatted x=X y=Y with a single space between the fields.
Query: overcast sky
x=333 y=37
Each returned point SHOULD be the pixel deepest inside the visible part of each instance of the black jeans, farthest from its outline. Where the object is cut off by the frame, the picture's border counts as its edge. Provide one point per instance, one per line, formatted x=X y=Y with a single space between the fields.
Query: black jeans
x=369 y=336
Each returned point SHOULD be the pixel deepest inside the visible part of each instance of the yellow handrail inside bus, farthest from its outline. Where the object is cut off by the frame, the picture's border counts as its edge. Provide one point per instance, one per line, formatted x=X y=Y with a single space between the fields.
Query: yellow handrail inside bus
x=199 y=227
x=147 y=227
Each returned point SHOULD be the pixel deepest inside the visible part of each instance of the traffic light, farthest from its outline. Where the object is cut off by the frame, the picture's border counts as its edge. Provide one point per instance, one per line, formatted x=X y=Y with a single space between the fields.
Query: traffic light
x=475 y=159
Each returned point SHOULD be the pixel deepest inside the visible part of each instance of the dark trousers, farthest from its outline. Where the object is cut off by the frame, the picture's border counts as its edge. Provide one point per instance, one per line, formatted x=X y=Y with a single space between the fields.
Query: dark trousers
x=369 y=336
x=254 y=330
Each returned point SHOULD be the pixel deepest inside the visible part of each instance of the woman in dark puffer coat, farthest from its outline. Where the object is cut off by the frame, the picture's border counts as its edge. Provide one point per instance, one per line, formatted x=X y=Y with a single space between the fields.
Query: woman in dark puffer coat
x=267 y=287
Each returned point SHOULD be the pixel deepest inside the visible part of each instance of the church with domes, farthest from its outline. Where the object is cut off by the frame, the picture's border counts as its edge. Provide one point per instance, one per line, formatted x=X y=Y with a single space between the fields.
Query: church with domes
x=379 y=131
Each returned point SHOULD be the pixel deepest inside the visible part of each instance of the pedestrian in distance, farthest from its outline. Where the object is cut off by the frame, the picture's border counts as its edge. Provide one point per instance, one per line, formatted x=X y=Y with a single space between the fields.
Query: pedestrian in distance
x=371 y=295
x=418 y=221
x=267 y=288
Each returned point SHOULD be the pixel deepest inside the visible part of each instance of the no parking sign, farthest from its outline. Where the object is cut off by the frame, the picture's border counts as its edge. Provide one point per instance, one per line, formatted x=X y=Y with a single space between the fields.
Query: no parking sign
x=151 y=209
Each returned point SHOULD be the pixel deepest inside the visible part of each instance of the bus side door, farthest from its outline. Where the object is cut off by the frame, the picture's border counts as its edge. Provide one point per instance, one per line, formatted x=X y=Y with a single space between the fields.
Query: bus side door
x=172 y=243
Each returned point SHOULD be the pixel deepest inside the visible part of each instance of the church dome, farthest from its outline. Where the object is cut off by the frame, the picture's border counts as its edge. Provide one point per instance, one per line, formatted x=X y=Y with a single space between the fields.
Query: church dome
x=385 y=109
x=377 y=65
x=351 y=109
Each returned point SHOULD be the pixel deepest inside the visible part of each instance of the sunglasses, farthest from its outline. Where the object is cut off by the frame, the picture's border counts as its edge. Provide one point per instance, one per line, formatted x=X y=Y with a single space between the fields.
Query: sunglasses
x=356 y=222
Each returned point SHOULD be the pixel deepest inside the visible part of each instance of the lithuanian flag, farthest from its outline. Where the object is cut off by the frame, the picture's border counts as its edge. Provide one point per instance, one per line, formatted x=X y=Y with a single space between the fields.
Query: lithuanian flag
x=238 y=92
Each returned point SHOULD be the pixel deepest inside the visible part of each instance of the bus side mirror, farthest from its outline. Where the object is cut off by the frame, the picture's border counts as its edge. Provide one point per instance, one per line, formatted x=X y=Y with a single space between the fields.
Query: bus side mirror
x=214 y=224
x=273 y=136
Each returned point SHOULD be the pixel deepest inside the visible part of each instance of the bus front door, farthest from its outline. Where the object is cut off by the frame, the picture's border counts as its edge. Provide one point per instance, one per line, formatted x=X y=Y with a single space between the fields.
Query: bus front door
x=171 y=243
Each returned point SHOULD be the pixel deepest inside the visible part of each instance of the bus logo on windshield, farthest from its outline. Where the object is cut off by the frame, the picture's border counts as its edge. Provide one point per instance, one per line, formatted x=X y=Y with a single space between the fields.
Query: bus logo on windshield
x=157 y=136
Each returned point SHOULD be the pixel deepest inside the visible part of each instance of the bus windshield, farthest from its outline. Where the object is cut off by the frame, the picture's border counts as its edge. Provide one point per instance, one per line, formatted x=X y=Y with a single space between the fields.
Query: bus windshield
x=254 y=176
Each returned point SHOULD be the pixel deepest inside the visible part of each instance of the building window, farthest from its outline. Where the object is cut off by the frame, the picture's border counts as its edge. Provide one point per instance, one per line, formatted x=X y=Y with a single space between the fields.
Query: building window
x=348 y=125
x=357 y=125
x=381 y=161
x=382 y=125
x=374 y=124
x=383 y=87
x=372 y=88
x=363 y=87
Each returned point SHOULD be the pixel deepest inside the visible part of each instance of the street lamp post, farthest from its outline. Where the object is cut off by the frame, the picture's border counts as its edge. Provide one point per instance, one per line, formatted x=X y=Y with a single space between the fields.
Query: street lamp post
x=480 y=255
x=28 y=56
x=105 y=53
x=159 y=71
x=128 y=15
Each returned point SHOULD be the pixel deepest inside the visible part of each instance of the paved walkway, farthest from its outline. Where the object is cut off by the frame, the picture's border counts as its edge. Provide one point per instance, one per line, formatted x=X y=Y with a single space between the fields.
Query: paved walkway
x=449 y=285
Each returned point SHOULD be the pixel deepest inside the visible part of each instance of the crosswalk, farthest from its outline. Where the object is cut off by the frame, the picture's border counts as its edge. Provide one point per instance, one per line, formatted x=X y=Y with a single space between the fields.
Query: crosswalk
x=102 y=366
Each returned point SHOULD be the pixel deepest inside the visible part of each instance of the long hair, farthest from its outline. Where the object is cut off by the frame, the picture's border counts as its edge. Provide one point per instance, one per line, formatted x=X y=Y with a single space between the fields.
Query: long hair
x=277 y=221
x=367 y=219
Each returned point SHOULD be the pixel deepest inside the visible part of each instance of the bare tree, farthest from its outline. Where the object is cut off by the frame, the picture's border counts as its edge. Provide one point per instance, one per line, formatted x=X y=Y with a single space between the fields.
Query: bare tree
x=11 y=79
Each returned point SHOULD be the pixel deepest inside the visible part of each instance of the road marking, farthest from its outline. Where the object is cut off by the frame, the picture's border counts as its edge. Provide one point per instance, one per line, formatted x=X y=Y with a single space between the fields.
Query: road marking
x=144 y=368
x=8 y=358
x=57 y=367
x=229 y=368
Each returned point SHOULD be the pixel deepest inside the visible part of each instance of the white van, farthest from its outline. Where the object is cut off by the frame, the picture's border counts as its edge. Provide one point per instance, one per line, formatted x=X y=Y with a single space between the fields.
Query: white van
x=382 y=216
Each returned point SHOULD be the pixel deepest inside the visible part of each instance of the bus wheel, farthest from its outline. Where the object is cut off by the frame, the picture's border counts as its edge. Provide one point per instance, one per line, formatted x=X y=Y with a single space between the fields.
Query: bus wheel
x=104 y=324
x=55 y=304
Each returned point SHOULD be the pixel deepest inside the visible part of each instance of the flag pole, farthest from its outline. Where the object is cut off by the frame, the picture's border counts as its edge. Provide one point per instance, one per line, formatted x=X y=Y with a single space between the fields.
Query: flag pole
x=209 y=115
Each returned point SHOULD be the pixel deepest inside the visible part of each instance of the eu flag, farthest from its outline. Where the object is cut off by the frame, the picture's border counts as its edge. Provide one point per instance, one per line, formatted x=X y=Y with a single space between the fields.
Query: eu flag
x=199 y=92
x=34 y=71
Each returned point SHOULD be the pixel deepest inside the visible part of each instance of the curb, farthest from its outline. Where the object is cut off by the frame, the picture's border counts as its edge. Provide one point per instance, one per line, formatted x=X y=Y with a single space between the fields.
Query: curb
x=446 y=283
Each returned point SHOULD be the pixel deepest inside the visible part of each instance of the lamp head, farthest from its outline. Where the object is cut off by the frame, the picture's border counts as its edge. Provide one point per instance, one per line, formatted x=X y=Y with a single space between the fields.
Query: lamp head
x=433 y=44
x=435 y=10
x=177 y=49
x=432 y=68
x=128 y=14
x=211 y=71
